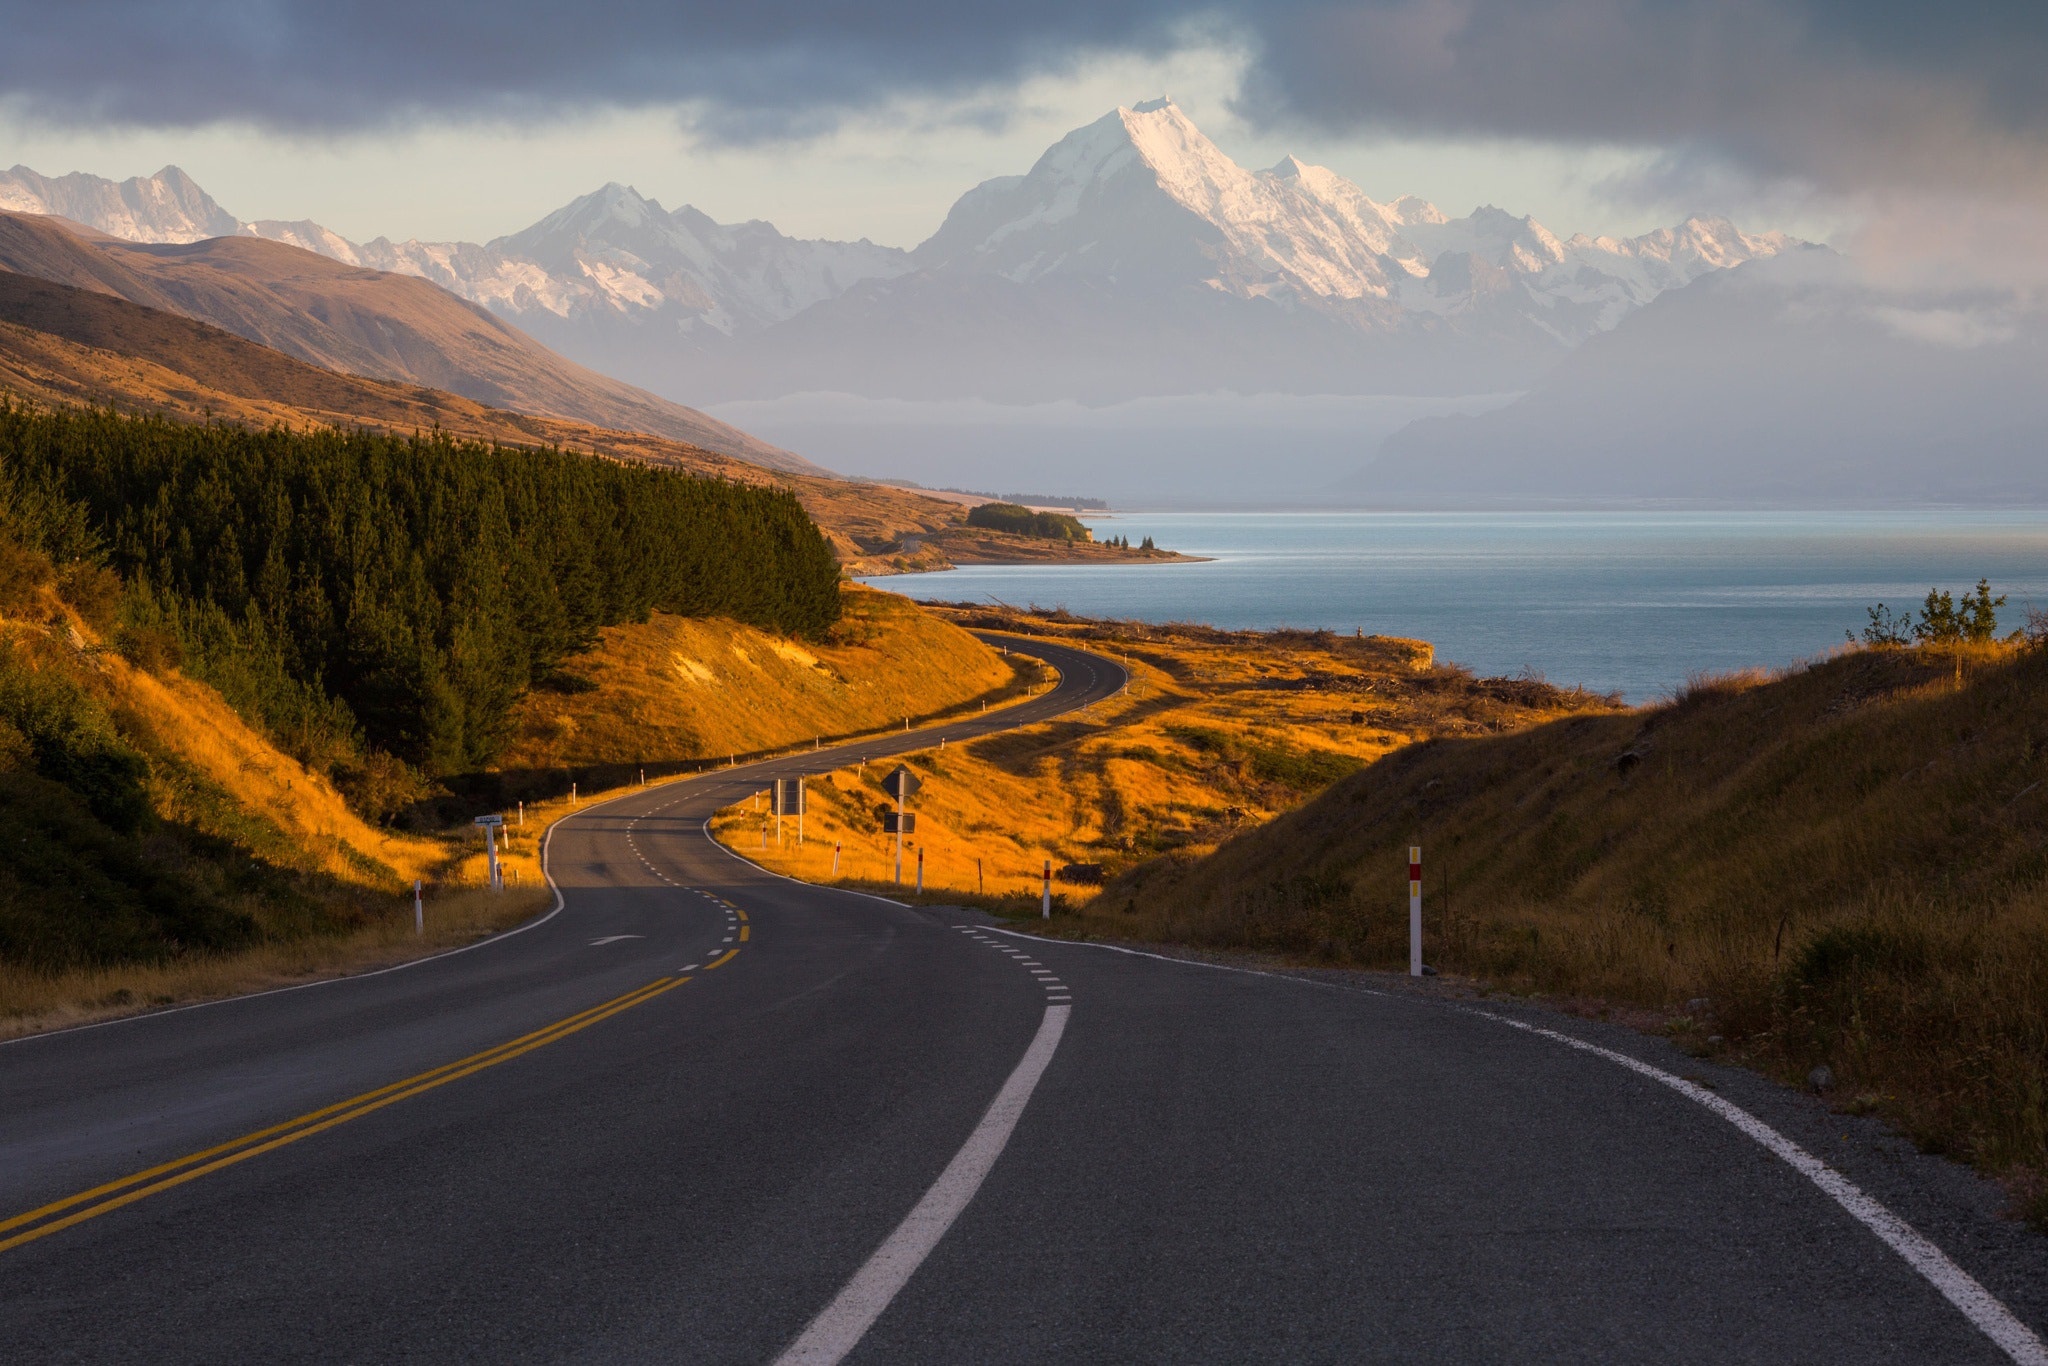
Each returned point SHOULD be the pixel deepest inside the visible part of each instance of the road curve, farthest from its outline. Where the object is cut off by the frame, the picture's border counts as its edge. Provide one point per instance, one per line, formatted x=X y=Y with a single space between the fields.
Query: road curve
x=678 y=1119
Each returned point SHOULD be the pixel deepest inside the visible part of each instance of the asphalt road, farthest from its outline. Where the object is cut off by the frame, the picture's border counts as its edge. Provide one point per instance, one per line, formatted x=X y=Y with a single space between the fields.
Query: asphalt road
x=677 y=1120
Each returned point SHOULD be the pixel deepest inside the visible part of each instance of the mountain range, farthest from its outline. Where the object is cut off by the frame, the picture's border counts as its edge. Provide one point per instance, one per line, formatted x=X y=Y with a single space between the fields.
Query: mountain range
x=357 y=322
x=1135 y=258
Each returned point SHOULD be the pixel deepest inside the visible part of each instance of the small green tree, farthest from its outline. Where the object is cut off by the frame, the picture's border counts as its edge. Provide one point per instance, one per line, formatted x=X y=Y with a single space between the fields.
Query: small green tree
x=1944 y=621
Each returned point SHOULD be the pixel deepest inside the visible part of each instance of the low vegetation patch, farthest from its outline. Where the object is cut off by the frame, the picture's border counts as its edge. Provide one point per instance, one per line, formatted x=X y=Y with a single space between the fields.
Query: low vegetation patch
x=1218 y=731
x=1022 y=521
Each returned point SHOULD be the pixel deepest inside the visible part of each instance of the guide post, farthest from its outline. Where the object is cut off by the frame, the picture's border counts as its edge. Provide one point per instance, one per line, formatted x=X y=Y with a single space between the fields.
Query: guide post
x=490 y=825
x=1414 y=910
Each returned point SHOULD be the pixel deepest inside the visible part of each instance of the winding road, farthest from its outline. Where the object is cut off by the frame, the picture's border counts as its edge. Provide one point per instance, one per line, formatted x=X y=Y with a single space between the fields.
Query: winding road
x=703 y=1113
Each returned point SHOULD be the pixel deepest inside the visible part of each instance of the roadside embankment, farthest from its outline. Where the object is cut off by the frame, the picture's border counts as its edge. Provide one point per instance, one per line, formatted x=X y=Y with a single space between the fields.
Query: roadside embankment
x=1216 y=732
x=678 y=690
x=1838 y=873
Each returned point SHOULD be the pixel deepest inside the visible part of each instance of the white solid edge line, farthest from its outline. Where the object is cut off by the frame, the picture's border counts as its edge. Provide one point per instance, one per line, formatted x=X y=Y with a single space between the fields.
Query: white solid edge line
x=842 y=1323
x=445 y=953
x=499 y=938
x=1961 y=1289
x=1957 y=1286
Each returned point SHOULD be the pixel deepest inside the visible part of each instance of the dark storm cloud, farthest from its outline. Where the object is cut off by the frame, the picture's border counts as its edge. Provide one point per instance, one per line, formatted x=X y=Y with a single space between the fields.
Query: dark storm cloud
x=1837 y=92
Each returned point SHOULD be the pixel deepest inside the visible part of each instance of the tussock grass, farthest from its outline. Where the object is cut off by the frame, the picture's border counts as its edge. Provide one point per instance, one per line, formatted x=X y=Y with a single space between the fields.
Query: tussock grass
x=1845 y=865
x=674 y=688
x=1218 y=731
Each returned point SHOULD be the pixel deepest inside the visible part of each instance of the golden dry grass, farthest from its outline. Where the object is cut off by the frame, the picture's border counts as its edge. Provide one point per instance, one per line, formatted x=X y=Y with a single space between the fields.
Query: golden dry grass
x=678 y=689
x=1845 y=866
x=1218 y=731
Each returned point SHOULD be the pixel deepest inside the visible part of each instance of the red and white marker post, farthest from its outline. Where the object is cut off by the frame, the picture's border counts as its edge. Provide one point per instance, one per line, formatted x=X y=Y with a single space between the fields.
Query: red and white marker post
x=1414 y=910
x=920 y=872
x=1045 y=905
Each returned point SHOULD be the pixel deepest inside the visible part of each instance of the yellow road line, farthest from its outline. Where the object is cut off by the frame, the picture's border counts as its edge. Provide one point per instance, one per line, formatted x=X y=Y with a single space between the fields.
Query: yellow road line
x=721 y=960
x=744 y=929
x=314 y=1121
x=738 y=912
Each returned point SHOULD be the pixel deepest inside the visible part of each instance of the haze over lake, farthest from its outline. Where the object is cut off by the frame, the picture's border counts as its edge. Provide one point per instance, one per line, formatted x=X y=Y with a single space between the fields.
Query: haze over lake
x=1633 y=602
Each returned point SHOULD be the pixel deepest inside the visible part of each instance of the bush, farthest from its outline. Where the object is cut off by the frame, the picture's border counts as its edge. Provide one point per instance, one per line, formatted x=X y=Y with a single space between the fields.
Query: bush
x=71 y=741
x=1973 y=621
x=1022 y=521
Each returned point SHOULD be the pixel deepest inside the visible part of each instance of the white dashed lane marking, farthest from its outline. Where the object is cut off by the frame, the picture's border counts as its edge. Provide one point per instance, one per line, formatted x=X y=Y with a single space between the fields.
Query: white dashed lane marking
x=1056 y=990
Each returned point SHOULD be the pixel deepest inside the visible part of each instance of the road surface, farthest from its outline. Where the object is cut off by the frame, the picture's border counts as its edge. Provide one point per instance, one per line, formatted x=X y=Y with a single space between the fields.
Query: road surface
x=706 y=1114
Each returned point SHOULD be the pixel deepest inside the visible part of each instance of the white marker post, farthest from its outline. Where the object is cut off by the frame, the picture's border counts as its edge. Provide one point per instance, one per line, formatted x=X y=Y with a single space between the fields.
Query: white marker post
x=1414 y=910
x=835 y=858
x=490 y=825
x=920 y=872
x=419 y=909
x=572 y=794
x=522 y=815
x=1045 y=901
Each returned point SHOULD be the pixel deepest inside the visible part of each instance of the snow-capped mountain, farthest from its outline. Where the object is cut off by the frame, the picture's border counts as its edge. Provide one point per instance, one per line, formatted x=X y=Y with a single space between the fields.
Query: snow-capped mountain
x=165 y=207
x=1141 y=193
x=1134 y=258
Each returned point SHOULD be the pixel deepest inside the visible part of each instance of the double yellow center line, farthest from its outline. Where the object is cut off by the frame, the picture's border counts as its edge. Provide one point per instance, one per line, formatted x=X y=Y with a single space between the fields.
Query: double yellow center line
x=90 y=1204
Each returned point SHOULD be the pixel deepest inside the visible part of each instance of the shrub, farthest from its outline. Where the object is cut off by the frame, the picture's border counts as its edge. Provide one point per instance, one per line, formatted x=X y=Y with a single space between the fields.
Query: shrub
x=1022 y=521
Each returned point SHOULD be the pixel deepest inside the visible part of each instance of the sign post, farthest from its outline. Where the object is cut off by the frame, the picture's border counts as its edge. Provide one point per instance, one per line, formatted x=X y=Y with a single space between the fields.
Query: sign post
x=901 y=784
x=490 y=825
x=1414 y=910
x=789 y=801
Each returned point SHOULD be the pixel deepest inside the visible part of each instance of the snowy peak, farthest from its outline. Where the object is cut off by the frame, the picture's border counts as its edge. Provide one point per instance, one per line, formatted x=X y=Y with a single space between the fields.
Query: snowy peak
x=1142 y=193
x=165 y=207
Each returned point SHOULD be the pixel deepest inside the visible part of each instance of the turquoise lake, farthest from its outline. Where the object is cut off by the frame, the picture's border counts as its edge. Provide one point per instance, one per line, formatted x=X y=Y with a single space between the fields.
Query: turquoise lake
x=1629 y=602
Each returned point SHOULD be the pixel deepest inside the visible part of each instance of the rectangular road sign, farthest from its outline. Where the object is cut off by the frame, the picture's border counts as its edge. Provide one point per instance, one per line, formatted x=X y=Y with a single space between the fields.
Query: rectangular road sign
x=905 y=824
x=488 y=820
x=789 y=796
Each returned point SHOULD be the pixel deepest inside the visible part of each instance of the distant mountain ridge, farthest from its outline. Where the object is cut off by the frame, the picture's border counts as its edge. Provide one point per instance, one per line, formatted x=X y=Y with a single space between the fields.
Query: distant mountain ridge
x=1134 y=258
x=1793 y=381
x=359 y=322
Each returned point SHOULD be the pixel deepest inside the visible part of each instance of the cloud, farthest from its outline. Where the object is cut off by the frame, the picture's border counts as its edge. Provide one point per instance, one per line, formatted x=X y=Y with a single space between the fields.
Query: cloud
x=1841 y=95
x=1838 y=94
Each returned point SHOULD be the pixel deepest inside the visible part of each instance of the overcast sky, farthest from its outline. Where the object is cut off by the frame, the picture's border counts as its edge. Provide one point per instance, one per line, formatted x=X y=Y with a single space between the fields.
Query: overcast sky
x=469 y=119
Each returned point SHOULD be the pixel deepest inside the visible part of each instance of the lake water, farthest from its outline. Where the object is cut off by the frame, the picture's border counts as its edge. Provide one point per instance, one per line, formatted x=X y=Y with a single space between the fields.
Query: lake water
x=1632 y=602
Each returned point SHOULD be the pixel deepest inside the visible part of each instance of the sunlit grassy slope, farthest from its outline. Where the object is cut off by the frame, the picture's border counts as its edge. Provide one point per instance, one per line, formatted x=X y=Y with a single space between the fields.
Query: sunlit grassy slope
x=673 y=688
x=1846 y=866
x=1217 y=732
x=246 y=868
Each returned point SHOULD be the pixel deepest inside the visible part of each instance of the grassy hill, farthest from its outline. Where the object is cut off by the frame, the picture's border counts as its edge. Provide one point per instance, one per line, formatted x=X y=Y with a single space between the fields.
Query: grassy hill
x=161 y=847
x=673 y=689
x=1218 y=731
x=1845 y=866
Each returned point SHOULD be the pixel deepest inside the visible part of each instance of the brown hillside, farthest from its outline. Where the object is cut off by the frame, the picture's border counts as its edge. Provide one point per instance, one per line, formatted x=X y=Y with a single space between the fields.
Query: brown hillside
x=360 y=322
x=63 y=345
x=76 y=344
